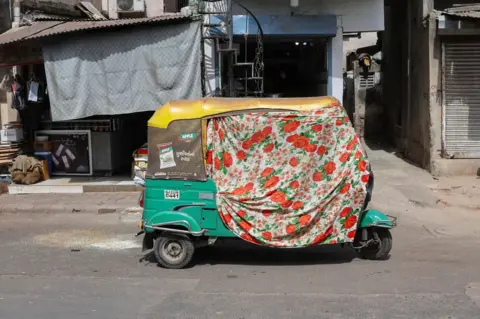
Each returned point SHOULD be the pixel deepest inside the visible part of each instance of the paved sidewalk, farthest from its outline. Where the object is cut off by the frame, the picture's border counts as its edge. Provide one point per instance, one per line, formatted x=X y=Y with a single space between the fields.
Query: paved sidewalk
x=442 y=207
x=97 y=203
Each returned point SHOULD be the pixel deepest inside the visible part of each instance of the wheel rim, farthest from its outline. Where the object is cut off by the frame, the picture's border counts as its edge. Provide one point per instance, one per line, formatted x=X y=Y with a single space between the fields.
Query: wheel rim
x=173 y=251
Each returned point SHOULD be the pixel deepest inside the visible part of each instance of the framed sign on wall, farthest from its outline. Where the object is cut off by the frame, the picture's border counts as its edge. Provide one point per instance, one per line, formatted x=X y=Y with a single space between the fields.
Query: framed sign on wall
x=71 y=151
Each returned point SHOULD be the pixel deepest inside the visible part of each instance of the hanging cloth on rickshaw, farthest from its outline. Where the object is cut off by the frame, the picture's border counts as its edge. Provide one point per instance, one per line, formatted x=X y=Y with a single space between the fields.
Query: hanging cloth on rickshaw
x=288 y=179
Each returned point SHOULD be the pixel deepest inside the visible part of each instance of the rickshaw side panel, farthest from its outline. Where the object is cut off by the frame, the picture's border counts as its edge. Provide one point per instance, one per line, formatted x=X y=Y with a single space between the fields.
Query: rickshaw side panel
x=195 y=205
x=184 y=220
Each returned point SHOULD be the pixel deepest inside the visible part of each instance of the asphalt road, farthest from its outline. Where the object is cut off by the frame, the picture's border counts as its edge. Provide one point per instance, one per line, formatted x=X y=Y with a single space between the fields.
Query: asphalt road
x=89 y=266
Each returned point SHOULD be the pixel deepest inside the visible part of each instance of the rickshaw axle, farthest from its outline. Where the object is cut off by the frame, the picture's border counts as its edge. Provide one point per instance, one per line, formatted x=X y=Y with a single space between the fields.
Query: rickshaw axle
x=367 y=242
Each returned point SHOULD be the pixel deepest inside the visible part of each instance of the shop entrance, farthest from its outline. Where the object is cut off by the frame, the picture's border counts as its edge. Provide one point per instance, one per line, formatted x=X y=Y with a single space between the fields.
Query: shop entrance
x=293 y=67
x=86 y=154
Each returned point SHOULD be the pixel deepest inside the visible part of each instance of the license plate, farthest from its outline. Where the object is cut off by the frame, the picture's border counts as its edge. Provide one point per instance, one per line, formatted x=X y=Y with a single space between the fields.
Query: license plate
x=142 y=165
x=174 y=195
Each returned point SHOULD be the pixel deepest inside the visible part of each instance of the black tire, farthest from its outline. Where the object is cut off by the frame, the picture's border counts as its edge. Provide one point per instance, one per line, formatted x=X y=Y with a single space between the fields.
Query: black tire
x=173 y=251
x=378 y=251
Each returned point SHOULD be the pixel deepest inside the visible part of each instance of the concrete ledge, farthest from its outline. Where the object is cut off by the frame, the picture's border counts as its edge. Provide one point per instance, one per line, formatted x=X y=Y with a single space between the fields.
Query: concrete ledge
x=93 y=203
x=40 y=189
x=70 y=189
x=62 y=209
x=110 y=188
x=454 y=167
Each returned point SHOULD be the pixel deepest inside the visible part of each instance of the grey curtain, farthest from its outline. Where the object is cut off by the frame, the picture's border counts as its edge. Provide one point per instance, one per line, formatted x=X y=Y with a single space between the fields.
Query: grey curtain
x=122 y=71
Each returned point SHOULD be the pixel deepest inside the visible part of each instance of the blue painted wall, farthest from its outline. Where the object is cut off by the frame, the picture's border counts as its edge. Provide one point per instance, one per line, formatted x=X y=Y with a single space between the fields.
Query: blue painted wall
x=281 y=25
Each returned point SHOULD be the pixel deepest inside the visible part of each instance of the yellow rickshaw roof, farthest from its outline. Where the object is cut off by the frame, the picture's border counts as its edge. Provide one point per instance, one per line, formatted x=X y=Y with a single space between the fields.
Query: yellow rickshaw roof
x=209 y=107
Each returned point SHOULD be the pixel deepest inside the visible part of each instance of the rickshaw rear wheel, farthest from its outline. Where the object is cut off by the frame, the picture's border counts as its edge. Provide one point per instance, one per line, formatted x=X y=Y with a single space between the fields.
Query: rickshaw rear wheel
x=379 y=248
x=173 y=251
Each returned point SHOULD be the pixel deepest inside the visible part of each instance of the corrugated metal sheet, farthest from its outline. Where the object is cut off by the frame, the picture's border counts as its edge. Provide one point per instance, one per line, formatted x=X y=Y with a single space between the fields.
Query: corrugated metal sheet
x=50 y=28
x=42 y=16
x=462 y=99
x=464 y=11
x=464 y=14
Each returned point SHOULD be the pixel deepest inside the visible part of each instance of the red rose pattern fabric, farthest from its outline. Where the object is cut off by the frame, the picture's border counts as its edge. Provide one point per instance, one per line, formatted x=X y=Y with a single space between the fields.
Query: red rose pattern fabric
x=288 y=179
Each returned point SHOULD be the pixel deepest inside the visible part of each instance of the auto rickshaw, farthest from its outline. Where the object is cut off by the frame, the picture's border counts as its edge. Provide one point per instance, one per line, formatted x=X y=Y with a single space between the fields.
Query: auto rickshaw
x=282 y=173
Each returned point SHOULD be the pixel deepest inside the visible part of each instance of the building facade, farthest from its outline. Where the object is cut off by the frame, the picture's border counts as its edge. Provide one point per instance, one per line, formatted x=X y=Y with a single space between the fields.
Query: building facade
x=303 y=45
x=431 y=83
x=95 y=76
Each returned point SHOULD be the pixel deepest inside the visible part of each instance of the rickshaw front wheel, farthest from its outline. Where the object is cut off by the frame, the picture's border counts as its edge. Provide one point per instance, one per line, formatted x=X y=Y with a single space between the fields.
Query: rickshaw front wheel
x=173 y=251
x=380 y=244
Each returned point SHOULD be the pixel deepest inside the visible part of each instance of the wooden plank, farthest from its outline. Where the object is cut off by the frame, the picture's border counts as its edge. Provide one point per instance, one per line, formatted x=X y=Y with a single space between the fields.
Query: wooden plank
x=10 y=144
x=9 y=150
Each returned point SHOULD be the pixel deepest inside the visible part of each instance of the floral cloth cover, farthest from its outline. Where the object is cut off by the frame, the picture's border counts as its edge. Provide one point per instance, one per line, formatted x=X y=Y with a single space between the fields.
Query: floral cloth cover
x=288 y=179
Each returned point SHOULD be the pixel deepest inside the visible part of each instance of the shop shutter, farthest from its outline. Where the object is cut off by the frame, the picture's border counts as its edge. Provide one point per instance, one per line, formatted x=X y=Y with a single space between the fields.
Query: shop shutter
x=462 y=99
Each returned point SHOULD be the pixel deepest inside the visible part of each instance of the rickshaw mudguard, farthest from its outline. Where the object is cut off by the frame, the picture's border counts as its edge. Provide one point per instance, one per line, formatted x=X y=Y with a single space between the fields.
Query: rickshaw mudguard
x=375 y=218
x=175 y=220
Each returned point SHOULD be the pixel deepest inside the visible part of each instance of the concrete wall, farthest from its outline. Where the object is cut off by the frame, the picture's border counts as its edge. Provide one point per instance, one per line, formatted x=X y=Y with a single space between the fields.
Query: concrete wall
x=414 y=86
x=418 y=126
x=366 y=39
x=440 y=166
x=410 y=76
x=5 y=22
x=395 y=70
x=154 y=8
x=424 y=116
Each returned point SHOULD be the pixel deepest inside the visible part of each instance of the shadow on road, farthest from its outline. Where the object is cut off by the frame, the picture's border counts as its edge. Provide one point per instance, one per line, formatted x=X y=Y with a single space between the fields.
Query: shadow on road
x=242 y=253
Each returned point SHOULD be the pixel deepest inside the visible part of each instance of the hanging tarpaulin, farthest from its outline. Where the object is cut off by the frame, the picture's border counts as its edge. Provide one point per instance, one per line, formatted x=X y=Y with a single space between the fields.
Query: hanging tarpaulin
x=130 y=70
x=288 y=179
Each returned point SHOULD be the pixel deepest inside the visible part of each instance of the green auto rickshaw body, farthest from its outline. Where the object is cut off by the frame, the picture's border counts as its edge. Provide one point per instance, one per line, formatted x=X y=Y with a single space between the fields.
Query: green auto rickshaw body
x=179 y=199
x=195 y=211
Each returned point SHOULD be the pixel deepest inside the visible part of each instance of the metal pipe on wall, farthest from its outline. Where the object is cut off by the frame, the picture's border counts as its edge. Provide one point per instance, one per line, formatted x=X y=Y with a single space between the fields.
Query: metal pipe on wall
x=231 y=54
x=16 y=14
x=10 y=13
x=16 y=24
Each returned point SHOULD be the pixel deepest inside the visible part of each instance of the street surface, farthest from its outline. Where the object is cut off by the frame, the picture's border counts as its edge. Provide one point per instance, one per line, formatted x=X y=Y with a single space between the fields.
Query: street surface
x=85 y=265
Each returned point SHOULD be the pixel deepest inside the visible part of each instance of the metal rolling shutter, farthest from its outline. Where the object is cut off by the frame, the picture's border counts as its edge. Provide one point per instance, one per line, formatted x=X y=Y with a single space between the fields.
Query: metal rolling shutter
x=462 y=99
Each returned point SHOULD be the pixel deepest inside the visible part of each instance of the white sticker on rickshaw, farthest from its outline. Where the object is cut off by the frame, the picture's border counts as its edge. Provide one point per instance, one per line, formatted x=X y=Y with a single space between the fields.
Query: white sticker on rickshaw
x=173 y=195
x=167 y=159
